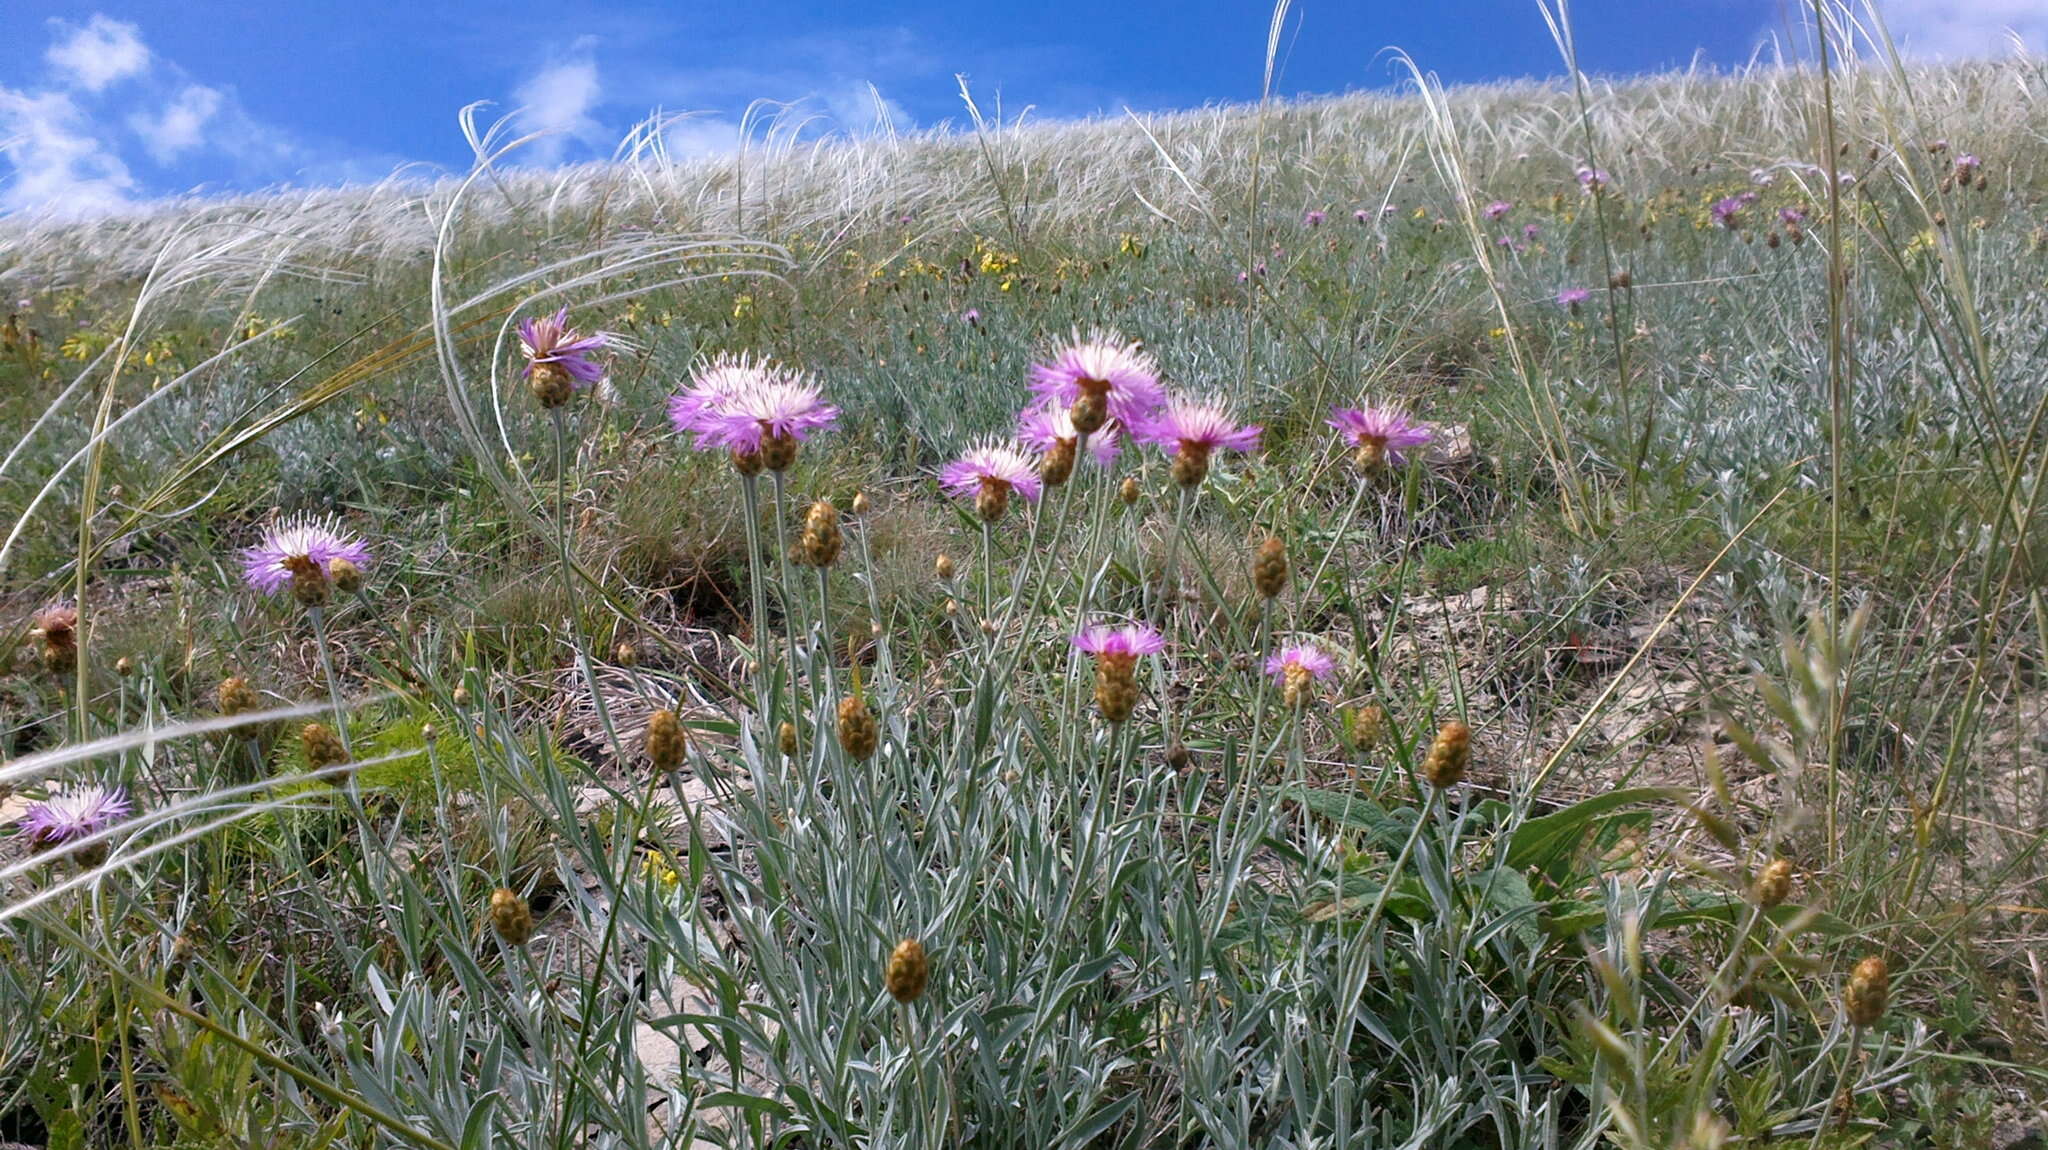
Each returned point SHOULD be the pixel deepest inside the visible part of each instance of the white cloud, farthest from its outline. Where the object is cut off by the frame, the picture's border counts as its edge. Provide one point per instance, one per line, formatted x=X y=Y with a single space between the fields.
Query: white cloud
x=698 y=137
x=862 y=110
x=98 y=54
x=181 y=126
x=557 y=100
x=59 y=166
x=1957 y=29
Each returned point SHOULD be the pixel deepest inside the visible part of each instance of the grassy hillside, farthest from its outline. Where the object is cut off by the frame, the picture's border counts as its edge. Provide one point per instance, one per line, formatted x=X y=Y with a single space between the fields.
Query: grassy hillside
x=1727 y=548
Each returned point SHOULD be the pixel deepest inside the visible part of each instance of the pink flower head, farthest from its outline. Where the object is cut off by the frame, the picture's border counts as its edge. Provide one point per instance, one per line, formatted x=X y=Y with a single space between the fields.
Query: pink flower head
x=1380 y=428
x=1572 y=296
x=550 y=339
x=1966 y=166
x=1531 y=231
x=1301 y=658
x=1498 y=209
x=1791 y=216
x=1041 y=428
x=1107 y=364
x=300 y=540
x=1126 y=642
x=1592 y=179
x=1186 y=424
x=991 y=465
x=777 y=404
x=71 y=813
x=697 y=409
x=1314 y=217
x=1361 y=215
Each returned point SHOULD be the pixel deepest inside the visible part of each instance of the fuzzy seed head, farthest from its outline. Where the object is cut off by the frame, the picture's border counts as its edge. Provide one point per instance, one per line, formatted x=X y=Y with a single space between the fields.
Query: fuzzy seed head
x=1867 y=992
x=1448 y=755
x=859 y=734
x=908 y=971
x=1269 y=568
x=665 y=741
x=511 y=917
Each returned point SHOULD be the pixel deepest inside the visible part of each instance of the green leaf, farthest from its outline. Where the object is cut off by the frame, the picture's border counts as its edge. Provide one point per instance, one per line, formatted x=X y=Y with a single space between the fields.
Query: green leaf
x=1388 y=828
x=1544 y=840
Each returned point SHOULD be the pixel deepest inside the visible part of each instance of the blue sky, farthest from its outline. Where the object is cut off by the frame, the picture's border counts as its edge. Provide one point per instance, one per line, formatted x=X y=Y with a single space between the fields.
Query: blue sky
x=102 y=105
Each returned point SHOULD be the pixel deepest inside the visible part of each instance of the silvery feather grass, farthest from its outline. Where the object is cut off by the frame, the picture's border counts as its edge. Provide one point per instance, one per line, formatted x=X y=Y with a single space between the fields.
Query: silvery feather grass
x=1224 y=921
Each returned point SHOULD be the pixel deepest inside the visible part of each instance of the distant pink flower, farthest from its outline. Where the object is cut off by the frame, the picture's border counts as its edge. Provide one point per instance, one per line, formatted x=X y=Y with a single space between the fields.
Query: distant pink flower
x=1184 y=424
x=1314 y=217
x=1042 y=428
x=1572 y=297
x=1531 y=231
x=1126 y=642
x=1300 y=659
x=1107 y=369
x=1361 y=215
x=971 y=317
x=1727 y=211
x=550 y=340
x=779 y=406
x=990 y=465
x=1382 y=431
x=1966 y=166
x=303 y=541
x=71 y=813
x=1592 y=179
x=1498 y=209
x=1790 y=216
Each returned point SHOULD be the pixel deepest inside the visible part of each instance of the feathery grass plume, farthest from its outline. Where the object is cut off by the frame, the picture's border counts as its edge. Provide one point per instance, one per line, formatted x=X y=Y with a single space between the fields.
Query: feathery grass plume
x=907 y=972
x=235 y=696
x=785 y=738
x=1116 y=651
x=57 y=628
x=859 y=734
x=511 y=917
x=1298 y=667
x=1867 y=991
x=1773 y=883
x=1448 y=755
x=1191 y=431
x=72 y=812
x=1269 y=568
x=665 y=741
x=558 y=361
x=759 y=411
x=323 y=748
x=298 y=554
x=821 y=541
x=1050 y=431
x=988 y=473
x=1378 y=435
x=1099 y=378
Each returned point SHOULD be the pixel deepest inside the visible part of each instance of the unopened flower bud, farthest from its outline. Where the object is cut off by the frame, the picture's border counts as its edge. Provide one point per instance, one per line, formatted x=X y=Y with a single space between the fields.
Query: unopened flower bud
x=821 y=540
x=1368 y=723
x=908 y=971
x=861 y=505
x=1448 y=755
x=626 y=655
x=511 y=917
x=323 y=748
x=785 y=739
x=859 y=734
x=1178 y=756
x=944 y=567
x=235 y=696
x=347 y=577
x=1057 y=465
x=1127 y=491
x=461 y=695
x=124 y=666
x=1867 y=992
x=665 y=742
x=1269 y=569
x=1774 y=883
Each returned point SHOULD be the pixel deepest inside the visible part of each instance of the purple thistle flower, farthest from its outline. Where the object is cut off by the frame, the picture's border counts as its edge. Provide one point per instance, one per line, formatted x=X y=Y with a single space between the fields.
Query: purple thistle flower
x=1043 y=428
x=1727 y=211
x=1126 y=642
x=1185 y=424
x=71 y=813
x=550 y=339
x=989 y=466
x=1498 y=209
x=1380 y=429
x=1361 y=215
x=1105 y=367
x=1966 y=166
x=1572 y=296
x=1314 y=662
x=1314 y=217
x=1531 y=231
x=1592 y=179
x=1791 y=216
x=772 y=405
x=713 y=383
x=971 y=317
x=317 y=540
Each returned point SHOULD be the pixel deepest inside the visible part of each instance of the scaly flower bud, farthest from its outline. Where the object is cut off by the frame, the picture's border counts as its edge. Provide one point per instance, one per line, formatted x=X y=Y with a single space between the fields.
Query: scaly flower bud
x=785 y=739
x=235 y=696
x=908 y=971
x=1448 y=756
x=943 y=567
x=323 y=748
x=859 y=734
x=1127 y=491
x=1269 y=569
x=1774 y=883
x=821 y=540
x=347 y=577
x=665 y=741
x=511 y=917
x=1867 y=992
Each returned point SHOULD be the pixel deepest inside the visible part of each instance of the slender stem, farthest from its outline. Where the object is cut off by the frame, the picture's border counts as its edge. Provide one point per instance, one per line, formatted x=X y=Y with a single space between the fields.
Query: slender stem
x=319 y=616
x=764 y=699
x=1837 y=396
x=1356 y=988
